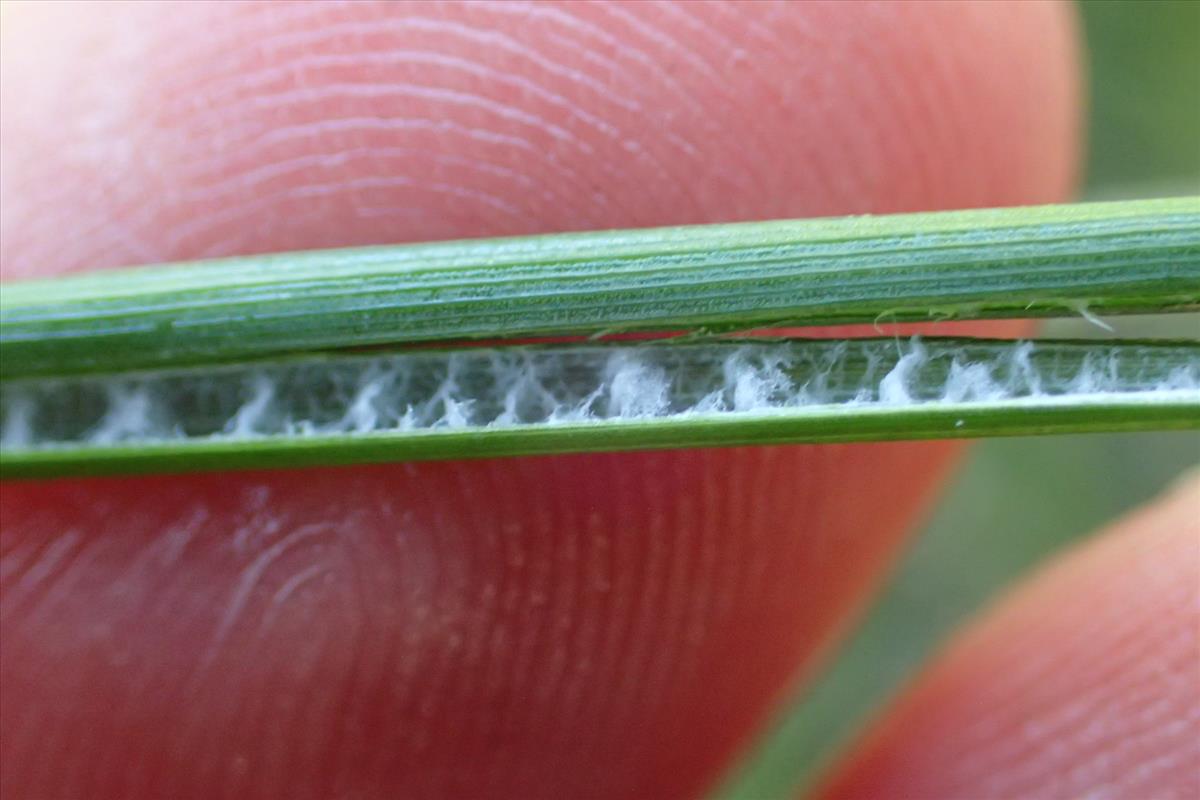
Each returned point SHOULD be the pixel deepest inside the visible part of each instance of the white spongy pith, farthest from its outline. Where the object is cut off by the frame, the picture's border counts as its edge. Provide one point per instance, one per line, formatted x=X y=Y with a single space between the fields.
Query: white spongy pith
x=480 y=388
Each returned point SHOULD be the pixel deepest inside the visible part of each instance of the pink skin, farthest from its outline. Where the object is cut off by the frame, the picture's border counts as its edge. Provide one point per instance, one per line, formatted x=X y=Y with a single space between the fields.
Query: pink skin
x=1083 y=682
x=605 y=625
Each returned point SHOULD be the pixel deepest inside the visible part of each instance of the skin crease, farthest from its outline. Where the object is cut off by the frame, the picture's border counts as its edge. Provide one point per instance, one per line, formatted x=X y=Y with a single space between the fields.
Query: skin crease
x=1091 y=676
x=583 y=626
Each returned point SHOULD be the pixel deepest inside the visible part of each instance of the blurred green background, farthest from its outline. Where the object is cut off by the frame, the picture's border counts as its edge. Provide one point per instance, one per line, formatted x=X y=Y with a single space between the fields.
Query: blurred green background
x=1017 y=501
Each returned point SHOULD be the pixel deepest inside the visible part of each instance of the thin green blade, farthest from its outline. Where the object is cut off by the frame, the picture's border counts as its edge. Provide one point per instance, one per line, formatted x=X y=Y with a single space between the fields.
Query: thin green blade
x=474 y=402
x=1104 y=258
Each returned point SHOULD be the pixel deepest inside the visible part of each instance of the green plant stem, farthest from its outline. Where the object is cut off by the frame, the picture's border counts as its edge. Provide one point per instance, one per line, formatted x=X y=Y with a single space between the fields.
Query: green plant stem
x=1104 y=258
x=462 y=403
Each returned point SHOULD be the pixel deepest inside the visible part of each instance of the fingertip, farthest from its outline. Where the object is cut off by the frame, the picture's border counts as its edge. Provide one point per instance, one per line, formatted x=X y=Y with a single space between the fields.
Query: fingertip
x=1082 y=682
x=134 y=135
